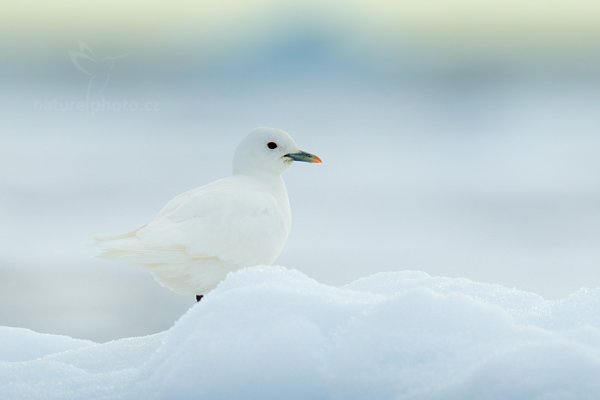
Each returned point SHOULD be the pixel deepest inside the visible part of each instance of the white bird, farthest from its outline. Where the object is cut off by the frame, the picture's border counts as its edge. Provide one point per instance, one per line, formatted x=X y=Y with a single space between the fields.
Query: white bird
x=235 y=222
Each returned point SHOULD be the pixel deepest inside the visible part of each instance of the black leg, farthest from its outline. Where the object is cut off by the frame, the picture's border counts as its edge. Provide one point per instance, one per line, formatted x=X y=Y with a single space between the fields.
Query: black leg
x=199 y=297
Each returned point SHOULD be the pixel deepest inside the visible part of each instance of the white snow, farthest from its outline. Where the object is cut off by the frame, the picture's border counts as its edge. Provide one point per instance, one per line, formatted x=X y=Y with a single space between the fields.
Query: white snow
x=274 y=333
x=20 y=344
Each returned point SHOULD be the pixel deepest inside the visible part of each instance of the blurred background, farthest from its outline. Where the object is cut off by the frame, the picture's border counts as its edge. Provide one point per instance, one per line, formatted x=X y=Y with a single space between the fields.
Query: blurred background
x=459 y=137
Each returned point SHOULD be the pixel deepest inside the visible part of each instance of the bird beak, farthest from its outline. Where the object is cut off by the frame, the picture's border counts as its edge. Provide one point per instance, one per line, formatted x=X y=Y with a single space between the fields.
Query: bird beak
x=304 y=156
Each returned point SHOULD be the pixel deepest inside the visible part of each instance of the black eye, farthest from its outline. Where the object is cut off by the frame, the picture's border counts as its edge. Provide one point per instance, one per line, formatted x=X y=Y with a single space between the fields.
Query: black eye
x=272 y=145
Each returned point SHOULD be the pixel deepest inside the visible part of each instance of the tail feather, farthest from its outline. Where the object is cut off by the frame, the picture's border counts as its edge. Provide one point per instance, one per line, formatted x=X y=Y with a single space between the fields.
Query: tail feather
x=130 y=247
x=172 y=266
x=120 y=245
x=107 y=238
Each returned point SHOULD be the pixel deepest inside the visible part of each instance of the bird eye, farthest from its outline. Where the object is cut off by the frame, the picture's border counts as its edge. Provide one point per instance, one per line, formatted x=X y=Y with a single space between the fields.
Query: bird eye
x=272 y=145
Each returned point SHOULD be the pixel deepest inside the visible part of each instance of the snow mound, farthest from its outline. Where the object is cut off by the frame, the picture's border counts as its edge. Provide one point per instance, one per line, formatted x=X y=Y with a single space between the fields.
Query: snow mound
x=19 y=344
x=273 y=333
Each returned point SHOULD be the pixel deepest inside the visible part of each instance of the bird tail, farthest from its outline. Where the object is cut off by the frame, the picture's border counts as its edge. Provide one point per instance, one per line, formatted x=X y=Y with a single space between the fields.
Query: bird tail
x=120 y=245
x=131 y=247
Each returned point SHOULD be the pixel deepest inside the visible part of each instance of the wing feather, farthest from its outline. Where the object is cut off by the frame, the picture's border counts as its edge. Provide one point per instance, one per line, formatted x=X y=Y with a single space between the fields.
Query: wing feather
x=238 y=224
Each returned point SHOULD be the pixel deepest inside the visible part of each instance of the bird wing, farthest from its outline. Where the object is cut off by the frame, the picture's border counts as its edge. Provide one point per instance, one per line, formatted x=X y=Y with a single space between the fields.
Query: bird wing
x=239 y=224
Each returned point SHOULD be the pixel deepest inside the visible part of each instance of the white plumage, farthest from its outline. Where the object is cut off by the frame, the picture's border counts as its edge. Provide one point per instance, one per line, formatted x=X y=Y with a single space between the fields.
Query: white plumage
x=238 y=221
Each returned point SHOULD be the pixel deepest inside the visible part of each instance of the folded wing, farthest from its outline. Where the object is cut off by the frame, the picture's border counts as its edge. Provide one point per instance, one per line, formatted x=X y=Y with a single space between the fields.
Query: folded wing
x=237 y=224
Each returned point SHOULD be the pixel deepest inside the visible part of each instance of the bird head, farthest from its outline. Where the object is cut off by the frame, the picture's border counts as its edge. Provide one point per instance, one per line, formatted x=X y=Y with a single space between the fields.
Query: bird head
x=270 y=151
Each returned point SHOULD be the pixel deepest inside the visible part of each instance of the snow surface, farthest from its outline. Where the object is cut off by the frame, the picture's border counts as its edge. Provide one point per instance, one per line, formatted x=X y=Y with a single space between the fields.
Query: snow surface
x=273 y=333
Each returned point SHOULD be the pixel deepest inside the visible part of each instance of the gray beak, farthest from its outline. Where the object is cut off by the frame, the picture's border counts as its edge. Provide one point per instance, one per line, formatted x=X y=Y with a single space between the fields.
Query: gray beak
x=304 y=156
